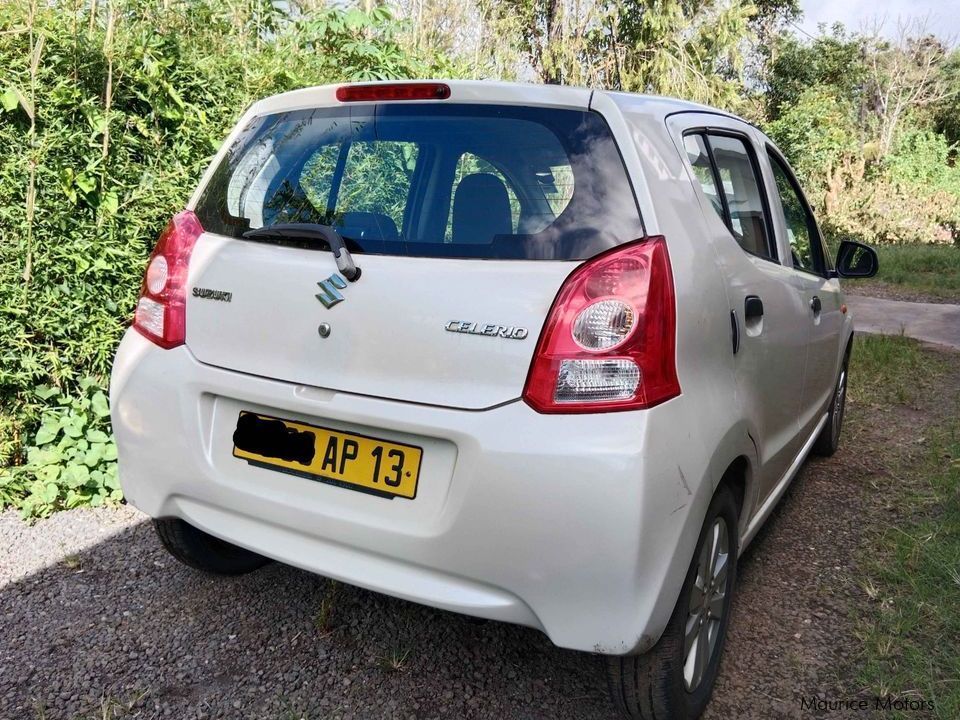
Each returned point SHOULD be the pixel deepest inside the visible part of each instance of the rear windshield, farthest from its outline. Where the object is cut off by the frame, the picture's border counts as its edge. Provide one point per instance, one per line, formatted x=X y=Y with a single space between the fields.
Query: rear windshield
x=431 y=180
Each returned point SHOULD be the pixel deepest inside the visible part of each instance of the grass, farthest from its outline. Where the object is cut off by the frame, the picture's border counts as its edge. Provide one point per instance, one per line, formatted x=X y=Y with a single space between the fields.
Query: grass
x=396 y=661
x=890 y=369
x=913 y=640
x=911 y=633
x=932 y=270
x=323 y=620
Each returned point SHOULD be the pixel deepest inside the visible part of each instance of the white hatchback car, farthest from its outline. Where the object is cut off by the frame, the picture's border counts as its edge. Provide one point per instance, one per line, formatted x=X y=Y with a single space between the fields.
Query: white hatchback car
x=567 y=352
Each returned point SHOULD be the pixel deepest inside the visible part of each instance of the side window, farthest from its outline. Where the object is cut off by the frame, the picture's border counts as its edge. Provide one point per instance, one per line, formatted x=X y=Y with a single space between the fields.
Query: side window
x=699 y=158
x=746 y=215
x=470 y=164
x=802 y=232
x=556 y=183
x=375 y=181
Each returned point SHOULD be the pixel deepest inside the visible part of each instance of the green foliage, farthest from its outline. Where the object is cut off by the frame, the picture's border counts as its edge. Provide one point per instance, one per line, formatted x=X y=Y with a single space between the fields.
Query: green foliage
x=911 y=195
x=111 y=118
x=72 y=460
x=922 y=158
x=833 y=62
x=816 y=132
x=947 y=112
x=692 y=50
x=873 y=209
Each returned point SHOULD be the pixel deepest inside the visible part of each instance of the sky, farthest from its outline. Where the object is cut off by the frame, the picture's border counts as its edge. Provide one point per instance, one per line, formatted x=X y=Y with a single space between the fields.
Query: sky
x=944 y=15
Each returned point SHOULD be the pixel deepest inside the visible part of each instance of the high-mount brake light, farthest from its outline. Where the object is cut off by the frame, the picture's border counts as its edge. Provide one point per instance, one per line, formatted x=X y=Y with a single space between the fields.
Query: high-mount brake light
x=393 y=91
x=609 y=342
x=161 y=314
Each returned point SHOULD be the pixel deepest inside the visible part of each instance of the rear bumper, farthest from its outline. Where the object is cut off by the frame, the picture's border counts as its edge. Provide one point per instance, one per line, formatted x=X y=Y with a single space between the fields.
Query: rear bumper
x=563 y=523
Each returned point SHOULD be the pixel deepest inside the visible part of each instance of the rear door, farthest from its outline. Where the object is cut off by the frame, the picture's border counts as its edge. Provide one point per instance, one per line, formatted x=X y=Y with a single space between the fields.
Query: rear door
x=768 y=328
x=464 y=219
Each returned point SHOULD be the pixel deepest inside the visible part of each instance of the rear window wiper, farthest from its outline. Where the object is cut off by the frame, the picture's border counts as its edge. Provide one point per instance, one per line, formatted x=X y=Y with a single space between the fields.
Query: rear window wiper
x=311 y=231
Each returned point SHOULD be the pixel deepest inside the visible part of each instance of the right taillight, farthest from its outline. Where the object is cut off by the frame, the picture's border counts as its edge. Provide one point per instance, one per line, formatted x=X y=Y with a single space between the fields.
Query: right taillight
x=161 y=314
x=609 y=341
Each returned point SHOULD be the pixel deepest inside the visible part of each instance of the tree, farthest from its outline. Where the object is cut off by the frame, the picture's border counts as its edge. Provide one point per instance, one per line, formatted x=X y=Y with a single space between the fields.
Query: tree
x=688 y=48
x=947 y=111
x=818 y=134
x=692 y=49
x=480 y=37
x=834 y=61
x=559 y=39
x=768 y=25
x=903 y=75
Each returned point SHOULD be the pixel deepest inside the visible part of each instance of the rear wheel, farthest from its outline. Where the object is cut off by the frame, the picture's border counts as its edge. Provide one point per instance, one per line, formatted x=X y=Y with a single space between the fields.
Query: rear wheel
x=829 y=438
x=674 y=680
x=201 y=551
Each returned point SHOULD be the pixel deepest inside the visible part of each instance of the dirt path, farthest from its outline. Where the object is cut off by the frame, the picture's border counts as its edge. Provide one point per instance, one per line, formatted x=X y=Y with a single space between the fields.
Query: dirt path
x=929 y=322
x=96 y=621
x=891 y=291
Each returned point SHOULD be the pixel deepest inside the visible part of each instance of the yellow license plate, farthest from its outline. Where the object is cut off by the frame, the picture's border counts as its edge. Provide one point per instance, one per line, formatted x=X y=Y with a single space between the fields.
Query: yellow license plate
x=352 y=461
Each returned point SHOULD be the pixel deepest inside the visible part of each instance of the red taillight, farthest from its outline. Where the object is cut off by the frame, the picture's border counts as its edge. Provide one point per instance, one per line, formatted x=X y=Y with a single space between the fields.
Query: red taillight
x=609 y=341
x=399 y=91
x=161 y=314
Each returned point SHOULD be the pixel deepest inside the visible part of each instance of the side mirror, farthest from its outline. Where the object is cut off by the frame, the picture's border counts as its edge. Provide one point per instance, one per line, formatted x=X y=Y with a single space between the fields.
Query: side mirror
x=856 y=260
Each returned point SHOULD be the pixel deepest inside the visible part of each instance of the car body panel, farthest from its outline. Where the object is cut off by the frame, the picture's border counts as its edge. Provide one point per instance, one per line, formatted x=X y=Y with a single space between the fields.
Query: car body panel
x=388 y=337
x=771 y=359
x=502 y=521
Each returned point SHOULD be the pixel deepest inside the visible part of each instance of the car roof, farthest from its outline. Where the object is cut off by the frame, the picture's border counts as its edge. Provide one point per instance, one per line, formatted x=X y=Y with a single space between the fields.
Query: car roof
x=661 y=106
x=491 y=91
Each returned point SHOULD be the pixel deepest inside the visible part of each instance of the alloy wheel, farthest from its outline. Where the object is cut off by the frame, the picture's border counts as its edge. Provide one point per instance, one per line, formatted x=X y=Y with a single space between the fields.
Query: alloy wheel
x=708 y=603
x=839 y=403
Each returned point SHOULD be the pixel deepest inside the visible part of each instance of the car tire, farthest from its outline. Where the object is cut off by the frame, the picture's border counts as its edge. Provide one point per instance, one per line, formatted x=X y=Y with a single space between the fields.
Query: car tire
x=829 y=439
x=201 y=551
x=671 y=681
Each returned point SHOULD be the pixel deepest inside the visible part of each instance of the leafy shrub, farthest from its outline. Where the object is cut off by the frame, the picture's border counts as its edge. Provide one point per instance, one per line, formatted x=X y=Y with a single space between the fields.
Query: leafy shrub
x=72 y=461
x=816 y=134
x=883 y=212
x=922 y=158
x=109 y=119
x=909 y=196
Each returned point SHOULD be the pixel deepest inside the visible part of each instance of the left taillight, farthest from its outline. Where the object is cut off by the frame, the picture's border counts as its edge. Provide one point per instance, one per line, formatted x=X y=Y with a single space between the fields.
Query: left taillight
x=161 y=314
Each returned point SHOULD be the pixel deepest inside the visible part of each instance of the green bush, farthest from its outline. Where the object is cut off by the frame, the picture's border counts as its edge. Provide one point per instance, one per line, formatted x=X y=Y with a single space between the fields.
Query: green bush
x=72 y=461
x=108 y=121
x=910 y=196
x=922 y=158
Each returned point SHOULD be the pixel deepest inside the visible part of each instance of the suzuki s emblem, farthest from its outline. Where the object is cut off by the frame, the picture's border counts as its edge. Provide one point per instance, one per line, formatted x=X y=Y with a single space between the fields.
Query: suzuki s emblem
x=330 y=289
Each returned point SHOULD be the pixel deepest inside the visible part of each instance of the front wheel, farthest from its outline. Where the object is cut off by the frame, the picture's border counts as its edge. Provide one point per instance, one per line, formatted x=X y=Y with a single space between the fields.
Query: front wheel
x=674 y=680
x=829 y=439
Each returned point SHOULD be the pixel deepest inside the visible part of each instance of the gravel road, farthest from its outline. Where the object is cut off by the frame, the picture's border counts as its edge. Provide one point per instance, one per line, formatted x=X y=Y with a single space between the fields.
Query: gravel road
x=96 y=621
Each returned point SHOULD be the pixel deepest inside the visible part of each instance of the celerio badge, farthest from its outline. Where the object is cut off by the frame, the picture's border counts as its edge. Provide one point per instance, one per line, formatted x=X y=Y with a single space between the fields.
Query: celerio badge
x=489 y=329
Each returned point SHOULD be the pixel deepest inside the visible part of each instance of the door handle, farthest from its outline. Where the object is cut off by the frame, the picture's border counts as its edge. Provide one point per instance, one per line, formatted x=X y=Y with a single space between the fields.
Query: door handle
x=816 y=305
x=735 y=331
x=752 y=307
